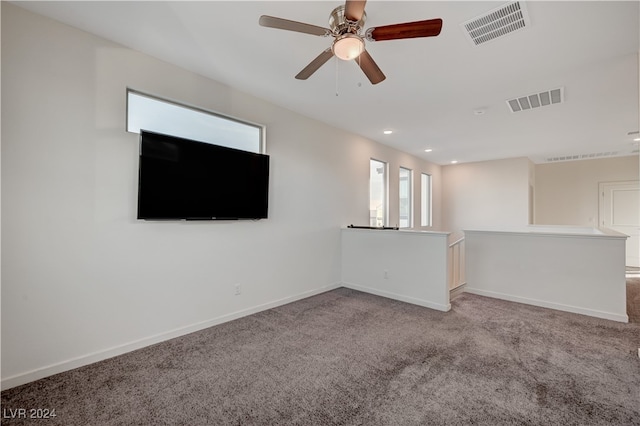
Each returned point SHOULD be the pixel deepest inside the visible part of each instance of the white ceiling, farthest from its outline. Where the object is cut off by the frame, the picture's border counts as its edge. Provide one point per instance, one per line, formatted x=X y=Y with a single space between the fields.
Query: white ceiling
x=433 y=86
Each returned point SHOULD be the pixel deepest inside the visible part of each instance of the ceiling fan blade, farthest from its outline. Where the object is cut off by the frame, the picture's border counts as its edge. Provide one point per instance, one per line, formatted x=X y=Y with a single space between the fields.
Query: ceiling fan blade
x=285 y=24
x=428 y=28
x=370 y=68
x=354 y=9
x=315 y=64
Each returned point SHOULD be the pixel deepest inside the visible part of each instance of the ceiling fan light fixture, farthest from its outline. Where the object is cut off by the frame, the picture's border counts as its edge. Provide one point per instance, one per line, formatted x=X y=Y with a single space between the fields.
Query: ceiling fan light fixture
x=348 y=46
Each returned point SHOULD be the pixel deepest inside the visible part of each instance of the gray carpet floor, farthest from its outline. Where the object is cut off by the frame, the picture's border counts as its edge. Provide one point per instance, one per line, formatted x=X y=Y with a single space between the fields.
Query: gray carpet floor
x=350 y=358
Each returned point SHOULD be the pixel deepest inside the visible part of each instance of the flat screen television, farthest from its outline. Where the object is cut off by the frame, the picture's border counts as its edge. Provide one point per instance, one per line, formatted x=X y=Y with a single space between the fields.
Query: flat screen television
x=185 y=179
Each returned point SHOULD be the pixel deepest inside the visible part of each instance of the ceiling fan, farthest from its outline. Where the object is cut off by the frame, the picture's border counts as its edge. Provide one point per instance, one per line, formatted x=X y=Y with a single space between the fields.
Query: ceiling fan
x=346 y=24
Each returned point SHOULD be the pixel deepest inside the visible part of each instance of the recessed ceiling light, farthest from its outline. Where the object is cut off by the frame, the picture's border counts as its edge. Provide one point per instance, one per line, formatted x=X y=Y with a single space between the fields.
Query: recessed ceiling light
x=454 y=161
x=636 y=139
x=388 y=132
x=428 y=150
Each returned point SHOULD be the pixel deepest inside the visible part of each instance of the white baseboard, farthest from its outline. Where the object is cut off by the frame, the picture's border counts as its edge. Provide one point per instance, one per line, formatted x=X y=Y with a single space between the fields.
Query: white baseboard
x=400 y=297
x=457 y=291
x=30 y=376
x=552 y=305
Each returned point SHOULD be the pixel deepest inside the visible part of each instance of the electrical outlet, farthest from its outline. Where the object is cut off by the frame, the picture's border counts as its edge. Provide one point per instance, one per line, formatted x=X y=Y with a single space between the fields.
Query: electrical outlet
x=237 y=289
x=386 y=274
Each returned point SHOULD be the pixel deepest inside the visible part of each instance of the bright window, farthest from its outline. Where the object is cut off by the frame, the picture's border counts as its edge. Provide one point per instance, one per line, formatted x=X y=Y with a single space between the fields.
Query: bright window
x=425 y=197
x=405 y=198
x=377 y=193
x=146 y=112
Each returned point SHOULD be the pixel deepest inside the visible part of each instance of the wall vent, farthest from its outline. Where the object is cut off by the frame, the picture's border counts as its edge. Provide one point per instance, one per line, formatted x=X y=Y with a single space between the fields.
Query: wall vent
x=582 y=156
x=497 y=23
x=537 y=100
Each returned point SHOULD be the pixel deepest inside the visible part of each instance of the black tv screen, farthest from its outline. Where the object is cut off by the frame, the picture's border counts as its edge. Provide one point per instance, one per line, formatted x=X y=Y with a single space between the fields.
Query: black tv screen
x=185 y=179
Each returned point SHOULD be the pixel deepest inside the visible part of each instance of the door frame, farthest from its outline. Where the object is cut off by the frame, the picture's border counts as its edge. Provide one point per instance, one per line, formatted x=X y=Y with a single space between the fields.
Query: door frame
x=602 y=186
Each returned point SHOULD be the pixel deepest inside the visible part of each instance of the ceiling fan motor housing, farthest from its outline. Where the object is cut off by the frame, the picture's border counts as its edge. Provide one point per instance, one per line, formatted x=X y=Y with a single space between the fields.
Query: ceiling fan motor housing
x=339 y=24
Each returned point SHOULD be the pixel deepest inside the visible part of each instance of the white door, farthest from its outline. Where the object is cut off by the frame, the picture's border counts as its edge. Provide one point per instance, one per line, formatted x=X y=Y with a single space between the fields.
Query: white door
x=620 y=211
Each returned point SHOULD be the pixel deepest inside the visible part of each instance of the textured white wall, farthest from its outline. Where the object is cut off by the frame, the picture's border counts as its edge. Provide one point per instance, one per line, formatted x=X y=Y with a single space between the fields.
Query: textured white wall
x=81 y=278
x=486 y=194
x=403 y=265
x=556 y=269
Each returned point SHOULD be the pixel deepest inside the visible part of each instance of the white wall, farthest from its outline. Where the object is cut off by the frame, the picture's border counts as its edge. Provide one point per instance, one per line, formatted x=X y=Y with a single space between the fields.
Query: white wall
x=567 y=192
x=486 y=194
x=403 y=265
x=82 y=279
x=554 y=268
x=418 y=167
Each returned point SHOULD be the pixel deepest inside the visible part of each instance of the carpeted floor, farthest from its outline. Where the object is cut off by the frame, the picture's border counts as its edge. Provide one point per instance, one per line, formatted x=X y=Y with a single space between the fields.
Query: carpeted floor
x=349 y=358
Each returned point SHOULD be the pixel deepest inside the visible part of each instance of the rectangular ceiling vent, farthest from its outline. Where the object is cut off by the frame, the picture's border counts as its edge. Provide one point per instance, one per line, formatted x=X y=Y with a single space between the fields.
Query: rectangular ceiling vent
x=537 y=100
x=582 y=156
x=496 y=23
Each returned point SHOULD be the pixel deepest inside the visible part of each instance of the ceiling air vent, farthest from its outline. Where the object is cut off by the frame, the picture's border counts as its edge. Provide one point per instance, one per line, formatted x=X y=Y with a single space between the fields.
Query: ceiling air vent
x=496 y=23
x=537 y=100
x=582 y=156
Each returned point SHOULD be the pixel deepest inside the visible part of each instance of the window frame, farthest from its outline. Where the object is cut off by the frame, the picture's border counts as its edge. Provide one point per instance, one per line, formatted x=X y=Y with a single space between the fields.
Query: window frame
x=260 y=127
x=426 y=200
x=385 y=192
x=409 y=196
